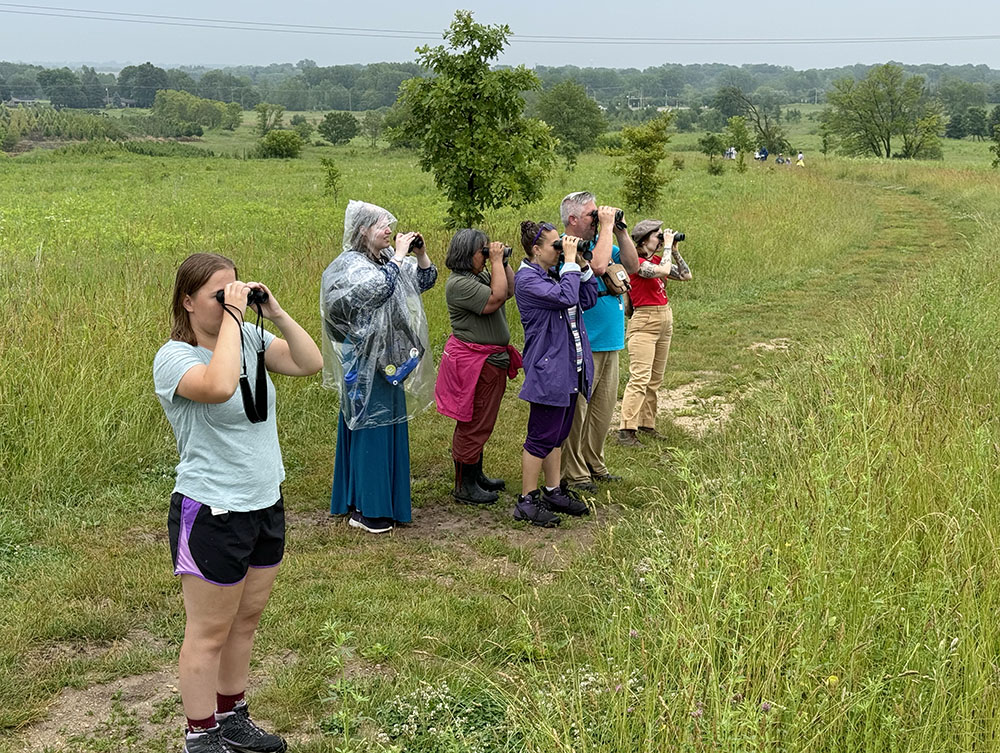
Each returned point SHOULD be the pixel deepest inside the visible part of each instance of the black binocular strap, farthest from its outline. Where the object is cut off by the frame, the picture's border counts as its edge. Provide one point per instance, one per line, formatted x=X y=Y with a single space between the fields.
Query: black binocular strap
x=255 y=406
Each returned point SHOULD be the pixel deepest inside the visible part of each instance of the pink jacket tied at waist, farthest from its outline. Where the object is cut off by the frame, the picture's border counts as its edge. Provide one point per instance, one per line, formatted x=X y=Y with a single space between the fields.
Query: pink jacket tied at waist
x=461 y=365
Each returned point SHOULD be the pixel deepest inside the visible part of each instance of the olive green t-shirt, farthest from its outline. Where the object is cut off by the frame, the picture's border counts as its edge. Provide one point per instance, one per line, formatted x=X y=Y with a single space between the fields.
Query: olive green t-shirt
x=466 y=295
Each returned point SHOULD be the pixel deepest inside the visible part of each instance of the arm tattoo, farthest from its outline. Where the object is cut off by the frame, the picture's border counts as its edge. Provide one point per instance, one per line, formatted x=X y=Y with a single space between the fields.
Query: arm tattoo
x=679 y=270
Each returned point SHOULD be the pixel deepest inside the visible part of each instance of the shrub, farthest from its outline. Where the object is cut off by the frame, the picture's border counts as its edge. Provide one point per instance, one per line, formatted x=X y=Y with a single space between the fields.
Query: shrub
x=280 y=145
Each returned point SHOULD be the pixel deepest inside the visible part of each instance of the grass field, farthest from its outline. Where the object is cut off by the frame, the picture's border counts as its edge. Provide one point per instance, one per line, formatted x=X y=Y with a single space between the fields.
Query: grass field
x=817 y=575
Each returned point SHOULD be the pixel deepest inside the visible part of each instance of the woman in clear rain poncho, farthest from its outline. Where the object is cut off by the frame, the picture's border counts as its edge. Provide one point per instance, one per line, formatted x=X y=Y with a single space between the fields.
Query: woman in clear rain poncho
x=376 y=354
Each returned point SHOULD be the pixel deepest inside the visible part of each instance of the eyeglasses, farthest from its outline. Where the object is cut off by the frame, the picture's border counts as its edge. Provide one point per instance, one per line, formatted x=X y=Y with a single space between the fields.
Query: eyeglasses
x=542 y=228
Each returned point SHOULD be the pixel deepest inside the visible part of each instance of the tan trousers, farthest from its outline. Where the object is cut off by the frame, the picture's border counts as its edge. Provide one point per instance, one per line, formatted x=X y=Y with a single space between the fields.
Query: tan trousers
x=648 y=341
x=583 y=450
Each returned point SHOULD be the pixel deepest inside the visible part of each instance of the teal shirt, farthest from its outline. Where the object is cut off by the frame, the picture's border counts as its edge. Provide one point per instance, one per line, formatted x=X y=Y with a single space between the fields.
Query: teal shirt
x=225 y=461
x=606 y=320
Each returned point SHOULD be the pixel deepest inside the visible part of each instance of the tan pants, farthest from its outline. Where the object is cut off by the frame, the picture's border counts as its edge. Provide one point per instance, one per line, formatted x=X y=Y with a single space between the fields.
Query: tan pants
x=648 y=340
x=583 y=450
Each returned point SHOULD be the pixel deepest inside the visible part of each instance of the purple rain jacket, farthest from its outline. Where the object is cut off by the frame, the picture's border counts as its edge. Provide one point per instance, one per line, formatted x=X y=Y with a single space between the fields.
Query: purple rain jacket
x=550 y=375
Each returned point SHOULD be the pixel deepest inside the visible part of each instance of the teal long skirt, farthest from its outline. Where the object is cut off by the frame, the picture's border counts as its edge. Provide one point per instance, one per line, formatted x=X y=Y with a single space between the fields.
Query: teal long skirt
x=371 y=471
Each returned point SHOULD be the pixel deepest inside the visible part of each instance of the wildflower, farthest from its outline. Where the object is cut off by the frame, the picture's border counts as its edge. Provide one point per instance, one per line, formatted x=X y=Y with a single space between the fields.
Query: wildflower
x=832 y=680
x=697 y=713
x=633 y=633
x=765 y=706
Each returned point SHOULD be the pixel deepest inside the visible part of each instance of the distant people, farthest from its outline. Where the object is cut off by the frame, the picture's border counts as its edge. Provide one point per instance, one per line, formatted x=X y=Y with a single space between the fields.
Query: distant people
x=649 y=329
x=763 y=154
x=558 y=365
x=227 y=517
x=780 y=159
x=477 y=358
x=374 y=355
x=583 y=461
x=800 y=162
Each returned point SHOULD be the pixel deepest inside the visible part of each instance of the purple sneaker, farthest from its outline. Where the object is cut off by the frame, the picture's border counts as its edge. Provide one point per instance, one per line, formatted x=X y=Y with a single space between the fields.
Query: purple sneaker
x=564 y=500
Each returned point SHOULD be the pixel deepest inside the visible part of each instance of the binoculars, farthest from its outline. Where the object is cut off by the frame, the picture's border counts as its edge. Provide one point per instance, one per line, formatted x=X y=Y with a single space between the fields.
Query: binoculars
x=583 y=248
x=256 y=297
x=619 y=220
x=677 y=236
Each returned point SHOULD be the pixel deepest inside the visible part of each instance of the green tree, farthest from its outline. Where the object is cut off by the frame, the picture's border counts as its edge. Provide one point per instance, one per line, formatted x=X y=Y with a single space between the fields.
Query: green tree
x=738 y=135
x=141 y=82
x=957 y=96
x=339 y=127
x=269 y=117
x=469 y=122
x=976 y=123
x=995 y=146
x=62 y=87
x=886 y=105
x=762 y=111
x=575 y=119
x=956 y=127
x=331 y=176
x=994 y=120
x=4 y=90
x=280 y=145
x=93 y=90
x=714 y=145
x=644 y=147
x=372 y=124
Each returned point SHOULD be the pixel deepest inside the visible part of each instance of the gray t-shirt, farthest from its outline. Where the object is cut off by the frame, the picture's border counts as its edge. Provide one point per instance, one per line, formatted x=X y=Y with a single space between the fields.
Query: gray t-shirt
x=226 y=461
x=466 y=295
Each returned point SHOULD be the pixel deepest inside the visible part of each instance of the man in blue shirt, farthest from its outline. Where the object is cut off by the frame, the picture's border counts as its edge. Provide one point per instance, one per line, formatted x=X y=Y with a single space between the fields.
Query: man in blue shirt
x=583 y=451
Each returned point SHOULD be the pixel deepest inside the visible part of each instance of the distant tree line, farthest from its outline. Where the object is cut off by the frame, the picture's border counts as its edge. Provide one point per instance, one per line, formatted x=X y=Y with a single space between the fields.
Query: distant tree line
x=624 y=93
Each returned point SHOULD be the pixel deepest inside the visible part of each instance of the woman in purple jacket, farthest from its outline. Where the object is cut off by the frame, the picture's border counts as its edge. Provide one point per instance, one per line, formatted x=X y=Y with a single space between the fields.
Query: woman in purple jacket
x=558 y=364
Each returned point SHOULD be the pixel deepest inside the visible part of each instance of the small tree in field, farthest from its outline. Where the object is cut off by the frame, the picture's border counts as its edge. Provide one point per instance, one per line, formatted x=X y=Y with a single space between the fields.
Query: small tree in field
x=269 y=117
x=371 y=126
x=995 y=146
x=738 y=136
x=338 y=127
x=644 y=147
x=714 y=146
x=468 y=121
x=331 y=176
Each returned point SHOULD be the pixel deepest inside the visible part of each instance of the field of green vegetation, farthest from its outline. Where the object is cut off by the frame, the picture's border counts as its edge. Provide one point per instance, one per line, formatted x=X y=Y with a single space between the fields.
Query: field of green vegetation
x=817 y=572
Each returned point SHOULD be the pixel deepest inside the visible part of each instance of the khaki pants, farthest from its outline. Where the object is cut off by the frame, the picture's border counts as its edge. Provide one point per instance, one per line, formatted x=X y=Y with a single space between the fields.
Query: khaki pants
x=648 y=340
x=583 y=450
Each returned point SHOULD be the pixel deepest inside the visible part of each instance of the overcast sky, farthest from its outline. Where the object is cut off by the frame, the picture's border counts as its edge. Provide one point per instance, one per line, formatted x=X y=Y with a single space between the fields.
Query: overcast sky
x=53 y=38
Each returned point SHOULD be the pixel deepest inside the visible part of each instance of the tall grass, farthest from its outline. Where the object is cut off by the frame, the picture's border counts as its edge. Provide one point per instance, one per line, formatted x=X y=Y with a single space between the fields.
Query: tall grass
x=817 y=577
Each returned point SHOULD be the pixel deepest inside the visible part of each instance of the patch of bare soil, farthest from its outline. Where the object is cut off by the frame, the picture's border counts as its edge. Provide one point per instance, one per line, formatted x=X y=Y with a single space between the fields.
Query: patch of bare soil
x=76 y=714
x=682 y=405
x=770 y=346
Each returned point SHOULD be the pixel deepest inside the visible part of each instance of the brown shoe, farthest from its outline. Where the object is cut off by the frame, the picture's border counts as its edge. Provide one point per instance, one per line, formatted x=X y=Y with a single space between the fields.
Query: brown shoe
x=627 y=438
x=651 y=432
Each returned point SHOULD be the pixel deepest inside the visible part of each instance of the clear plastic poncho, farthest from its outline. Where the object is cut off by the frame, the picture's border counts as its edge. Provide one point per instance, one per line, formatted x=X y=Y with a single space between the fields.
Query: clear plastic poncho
x=376 y=350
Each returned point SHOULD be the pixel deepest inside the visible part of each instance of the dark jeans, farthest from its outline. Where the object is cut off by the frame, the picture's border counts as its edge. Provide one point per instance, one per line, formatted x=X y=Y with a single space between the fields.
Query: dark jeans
x=470 y=436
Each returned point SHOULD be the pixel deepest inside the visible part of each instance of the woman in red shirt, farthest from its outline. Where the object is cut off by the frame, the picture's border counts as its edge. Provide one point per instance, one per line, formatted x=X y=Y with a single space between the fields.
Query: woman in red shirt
x=649 y=329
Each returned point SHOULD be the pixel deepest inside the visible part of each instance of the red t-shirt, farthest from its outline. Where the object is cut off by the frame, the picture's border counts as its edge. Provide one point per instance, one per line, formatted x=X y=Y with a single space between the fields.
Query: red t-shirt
x=648 y=291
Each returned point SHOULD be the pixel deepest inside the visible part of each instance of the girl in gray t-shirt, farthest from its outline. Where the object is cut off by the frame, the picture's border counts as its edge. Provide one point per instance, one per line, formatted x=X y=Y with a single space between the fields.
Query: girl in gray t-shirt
x=226 y=521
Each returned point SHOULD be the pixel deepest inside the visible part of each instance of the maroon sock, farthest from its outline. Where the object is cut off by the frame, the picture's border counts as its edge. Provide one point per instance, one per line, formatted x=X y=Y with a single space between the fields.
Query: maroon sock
x=226 y=703
x=200 y=725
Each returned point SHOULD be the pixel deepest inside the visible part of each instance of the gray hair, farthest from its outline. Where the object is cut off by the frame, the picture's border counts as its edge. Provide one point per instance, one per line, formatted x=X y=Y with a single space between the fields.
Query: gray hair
x=574 y=201
x=358 y=219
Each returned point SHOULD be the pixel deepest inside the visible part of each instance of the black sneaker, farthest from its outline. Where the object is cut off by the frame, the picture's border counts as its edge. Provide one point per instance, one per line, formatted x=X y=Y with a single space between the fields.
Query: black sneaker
x=529 y=507
x=243 y=736
x=606 y=478
x=565 y=500
x=650 y=431
x=207 y=741
x=582 y=486
x=372 y=525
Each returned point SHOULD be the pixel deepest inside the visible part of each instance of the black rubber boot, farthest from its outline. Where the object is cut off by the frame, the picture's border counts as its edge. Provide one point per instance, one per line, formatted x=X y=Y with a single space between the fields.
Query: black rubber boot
x=467 y=490
x=487 y=483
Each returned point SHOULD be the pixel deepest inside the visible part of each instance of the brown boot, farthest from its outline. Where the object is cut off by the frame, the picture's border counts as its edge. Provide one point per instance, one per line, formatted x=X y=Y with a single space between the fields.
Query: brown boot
x=627 y=438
